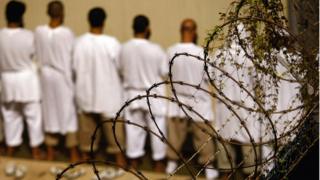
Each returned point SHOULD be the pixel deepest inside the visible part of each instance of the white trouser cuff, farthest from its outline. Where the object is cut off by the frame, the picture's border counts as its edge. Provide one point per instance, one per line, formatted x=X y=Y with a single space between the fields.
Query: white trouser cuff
x=135 y=154
x=13 y=143
x=159 y=156
x=211 y=173
x=37 y=142
x=171 y=166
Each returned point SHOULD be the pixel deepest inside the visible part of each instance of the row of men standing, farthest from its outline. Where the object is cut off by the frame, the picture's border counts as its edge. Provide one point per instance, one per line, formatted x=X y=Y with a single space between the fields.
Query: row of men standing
x=100 y=74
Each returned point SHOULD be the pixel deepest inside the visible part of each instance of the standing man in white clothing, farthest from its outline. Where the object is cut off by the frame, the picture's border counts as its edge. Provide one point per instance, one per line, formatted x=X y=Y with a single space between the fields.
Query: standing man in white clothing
x=143 y=63
x=54 y=44
x=190 y=70
x=19 y=82
x=233 y=60
x=98 y=87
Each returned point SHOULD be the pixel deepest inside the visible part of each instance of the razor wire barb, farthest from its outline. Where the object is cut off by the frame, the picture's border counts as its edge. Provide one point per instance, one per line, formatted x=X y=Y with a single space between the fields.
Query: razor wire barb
x=259 y=31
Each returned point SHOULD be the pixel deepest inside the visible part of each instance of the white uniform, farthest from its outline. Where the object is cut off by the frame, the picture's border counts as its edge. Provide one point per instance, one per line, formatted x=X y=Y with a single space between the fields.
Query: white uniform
x=227 y=124
x=191 y=71
x=288 y=97
x=20 y=87
x=232 y=60
x=98 y=87
x=143 y=64
x=1 y=119
x=54 y=51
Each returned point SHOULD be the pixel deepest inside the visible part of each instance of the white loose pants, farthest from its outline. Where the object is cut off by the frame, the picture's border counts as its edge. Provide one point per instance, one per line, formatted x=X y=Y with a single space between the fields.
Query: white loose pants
x=136 y=136
x=13 y=115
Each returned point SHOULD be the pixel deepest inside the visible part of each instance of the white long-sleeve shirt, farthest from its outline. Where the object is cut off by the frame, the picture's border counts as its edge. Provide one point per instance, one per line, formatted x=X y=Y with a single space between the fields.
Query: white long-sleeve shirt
x=54 y=48
x=19 y=78
x=191 y=71
x=54 y=52
x=227 y=123
x=142 y=64
x=288 y=97
x=98 y=87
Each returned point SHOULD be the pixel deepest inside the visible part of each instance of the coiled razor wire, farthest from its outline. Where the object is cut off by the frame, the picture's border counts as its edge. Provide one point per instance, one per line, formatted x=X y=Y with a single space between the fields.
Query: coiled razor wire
x=259 y=30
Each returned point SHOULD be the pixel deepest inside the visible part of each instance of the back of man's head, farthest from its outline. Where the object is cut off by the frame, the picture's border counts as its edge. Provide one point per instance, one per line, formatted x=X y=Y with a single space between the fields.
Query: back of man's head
x=55 y=9
x=15 y=11
x=188 y=26
x=140 y=24
x=96 y=17
x=188 y=30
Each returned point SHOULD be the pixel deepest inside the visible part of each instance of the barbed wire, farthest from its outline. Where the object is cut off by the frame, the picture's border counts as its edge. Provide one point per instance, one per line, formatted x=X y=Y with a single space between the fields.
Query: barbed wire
x=257 y=34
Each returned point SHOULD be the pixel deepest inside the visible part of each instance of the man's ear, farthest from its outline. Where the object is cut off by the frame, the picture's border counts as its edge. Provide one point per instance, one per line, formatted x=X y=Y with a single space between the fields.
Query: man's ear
x=148 y=33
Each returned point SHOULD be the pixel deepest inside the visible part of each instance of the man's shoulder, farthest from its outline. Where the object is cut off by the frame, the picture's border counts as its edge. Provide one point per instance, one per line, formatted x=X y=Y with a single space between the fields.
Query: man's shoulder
x=66 y=29
x=155 y=46
x=41 y=28
x=173 y=47
x=110 y=39
x=128 y=44
x=21 y=33
x=82 y=39
x=146 y=44
x=26 y=32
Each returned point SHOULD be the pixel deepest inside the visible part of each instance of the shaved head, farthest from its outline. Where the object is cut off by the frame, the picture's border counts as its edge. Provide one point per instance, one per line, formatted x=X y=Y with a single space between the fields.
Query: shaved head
x=188 y=25
x=55 y=9
x=188 y=31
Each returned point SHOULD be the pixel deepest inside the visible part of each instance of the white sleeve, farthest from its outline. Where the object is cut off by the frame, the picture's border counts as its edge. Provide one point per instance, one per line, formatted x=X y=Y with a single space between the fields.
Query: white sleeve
x=215 y=60
x=116 y=55
x=77 y=59
x=164 y=69
x=71 y=39
x=37 y=44
x=32 y=46
x=120 y=62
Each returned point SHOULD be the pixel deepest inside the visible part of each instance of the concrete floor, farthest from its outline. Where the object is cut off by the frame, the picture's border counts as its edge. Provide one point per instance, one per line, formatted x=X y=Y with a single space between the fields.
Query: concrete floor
x=41 y=168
